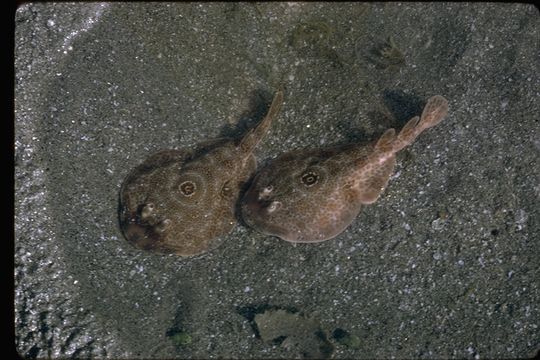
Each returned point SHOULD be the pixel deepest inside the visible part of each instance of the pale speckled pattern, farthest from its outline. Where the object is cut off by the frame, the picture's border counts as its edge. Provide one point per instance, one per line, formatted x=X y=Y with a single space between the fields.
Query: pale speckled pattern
x=313 y=195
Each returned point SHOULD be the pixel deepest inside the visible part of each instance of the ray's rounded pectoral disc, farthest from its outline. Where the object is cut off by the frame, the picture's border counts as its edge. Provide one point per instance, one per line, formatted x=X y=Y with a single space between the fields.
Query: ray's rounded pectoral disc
x=183 y=202
x=172 y=203
x=302 y=196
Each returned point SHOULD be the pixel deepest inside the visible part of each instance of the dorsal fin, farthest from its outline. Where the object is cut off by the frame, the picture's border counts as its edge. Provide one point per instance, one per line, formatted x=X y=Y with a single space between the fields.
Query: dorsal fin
x=386 y=140
x=409 y=128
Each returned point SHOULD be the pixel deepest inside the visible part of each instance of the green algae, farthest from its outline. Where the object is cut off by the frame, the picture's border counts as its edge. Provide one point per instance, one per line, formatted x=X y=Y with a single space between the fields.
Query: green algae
x=180 y=338
x=296 y=333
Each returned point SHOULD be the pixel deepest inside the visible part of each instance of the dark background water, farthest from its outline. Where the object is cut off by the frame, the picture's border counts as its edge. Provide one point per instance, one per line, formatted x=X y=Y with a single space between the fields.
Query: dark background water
x=441 y=266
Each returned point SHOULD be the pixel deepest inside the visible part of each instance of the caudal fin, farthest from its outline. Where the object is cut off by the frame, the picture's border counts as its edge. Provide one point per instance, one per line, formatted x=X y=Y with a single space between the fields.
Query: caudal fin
x=435 y=110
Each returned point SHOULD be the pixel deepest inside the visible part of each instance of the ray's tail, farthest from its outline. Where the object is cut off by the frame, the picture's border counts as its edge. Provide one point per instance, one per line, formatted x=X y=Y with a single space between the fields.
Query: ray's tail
x=254 y=136
x=434 y=112
x=372 y=176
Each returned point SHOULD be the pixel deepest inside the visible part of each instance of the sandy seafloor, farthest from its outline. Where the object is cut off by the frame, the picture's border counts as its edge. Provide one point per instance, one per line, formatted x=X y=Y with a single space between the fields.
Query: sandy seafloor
x=442 y=266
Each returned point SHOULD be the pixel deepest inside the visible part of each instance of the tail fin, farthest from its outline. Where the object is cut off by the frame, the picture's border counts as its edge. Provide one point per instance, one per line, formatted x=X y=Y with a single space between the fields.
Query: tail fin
x=371 y=177
x=435 y=110
x=252 y=138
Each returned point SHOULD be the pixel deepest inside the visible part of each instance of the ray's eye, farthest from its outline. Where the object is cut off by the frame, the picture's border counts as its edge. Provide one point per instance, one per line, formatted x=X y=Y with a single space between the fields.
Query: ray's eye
x=188 y=188
x=310 y=178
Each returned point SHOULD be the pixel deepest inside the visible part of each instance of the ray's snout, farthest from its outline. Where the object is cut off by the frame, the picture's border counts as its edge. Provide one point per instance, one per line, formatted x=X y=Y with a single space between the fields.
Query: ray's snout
x=142 y=236
x=260 y=210
x=258 y=204
x=252 y=206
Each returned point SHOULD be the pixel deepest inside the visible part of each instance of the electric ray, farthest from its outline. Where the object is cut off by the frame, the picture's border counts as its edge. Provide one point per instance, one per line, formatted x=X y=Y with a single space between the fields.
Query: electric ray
x=313 y=195
x=183 y=201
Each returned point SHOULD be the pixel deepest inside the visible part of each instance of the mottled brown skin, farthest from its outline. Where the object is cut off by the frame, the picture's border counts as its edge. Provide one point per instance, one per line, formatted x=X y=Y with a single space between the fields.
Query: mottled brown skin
x=183 y=201
x=313 y=195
